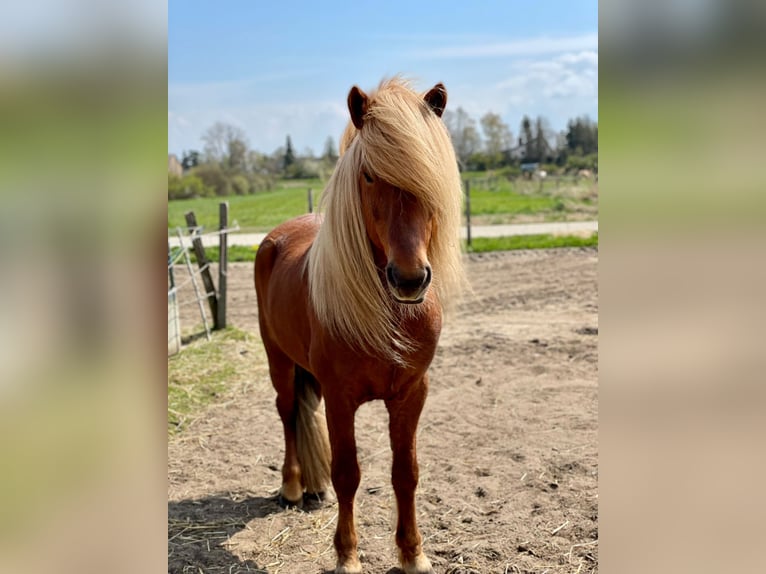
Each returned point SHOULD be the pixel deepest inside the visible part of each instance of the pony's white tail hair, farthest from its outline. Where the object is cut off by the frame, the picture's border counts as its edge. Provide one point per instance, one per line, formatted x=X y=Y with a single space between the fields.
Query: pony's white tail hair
x=312 y=440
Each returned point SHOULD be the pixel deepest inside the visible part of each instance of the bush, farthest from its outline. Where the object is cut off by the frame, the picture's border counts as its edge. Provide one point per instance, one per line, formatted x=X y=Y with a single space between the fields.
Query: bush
x=303 y=169
x=174 y=186
x=577 y=162
x=550 y=168
x=477 y=162
x=240 y=185
x=211 y=180
x=260 y=182
x=509 y=172
x=214 y=177
x=187 y=187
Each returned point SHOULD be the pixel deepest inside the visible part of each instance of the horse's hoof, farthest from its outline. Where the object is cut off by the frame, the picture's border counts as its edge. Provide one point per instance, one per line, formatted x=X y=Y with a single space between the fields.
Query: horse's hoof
x=320 y=496
x=420 y=565
x=286 y=503
x=349 y=567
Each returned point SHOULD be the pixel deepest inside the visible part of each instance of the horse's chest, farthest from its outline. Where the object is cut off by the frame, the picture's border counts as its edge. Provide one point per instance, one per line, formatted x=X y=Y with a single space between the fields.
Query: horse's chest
x=380 y=381
x=369 y=378
x=340 y=367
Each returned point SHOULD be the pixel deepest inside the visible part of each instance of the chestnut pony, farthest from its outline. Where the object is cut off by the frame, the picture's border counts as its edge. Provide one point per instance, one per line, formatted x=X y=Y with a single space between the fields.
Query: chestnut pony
x=350 y=305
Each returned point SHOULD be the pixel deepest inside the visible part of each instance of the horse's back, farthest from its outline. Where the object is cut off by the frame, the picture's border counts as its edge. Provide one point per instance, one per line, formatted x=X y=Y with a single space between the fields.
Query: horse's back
x=285 y=245
x=281 y=285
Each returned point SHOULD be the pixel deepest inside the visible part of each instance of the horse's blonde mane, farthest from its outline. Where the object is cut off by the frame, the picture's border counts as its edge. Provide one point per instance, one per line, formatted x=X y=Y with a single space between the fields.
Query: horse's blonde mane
x=404 y=143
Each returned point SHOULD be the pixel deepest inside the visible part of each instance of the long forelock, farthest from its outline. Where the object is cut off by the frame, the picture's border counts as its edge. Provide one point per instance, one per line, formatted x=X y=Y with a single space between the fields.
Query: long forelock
x=408 y=146
x=346 y=292
x=405 y=144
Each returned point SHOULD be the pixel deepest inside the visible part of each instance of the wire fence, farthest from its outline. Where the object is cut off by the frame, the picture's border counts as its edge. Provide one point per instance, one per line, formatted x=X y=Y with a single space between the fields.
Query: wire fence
x=191 y=282
x=183 y=274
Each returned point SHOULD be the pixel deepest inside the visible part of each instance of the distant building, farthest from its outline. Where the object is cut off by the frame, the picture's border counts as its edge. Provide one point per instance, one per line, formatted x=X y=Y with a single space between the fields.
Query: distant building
x=519 y=153
x=514 y=154
x=530 y=167
x=174 y=166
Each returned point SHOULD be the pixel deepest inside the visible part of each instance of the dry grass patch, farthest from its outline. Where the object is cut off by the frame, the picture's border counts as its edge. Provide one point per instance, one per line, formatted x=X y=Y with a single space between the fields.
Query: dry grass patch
x=207 y=371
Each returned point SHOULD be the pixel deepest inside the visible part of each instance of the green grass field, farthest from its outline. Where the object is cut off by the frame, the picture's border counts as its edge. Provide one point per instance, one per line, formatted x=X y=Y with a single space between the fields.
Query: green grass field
x=259 y=212
x=508 y=201
x=478 y=245
x=498 y=200
x=505 y=202
x=543 y=241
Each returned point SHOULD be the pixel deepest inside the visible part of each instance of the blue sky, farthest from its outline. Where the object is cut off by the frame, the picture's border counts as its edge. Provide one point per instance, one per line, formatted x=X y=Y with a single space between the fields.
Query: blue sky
x=276 y=68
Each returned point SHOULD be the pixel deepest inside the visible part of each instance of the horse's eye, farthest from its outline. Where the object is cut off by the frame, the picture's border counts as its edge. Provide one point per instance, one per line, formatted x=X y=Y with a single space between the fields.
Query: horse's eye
x=367 y=177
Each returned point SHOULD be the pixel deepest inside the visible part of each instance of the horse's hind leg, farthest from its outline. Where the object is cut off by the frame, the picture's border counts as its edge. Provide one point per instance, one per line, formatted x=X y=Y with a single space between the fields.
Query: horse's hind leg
x=282 y=371
x=404 y=413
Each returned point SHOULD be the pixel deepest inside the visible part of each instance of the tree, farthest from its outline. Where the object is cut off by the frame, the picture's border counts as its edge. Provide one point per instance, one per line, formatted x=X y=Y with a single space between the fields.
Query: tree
x=497 y=137
x=465 y=137
x=226 y=145
x=190 y=159
x=257 y=162
x=582 y=136
x=541 y=146
x=527 y=140
x=289 y=157
x=330 y=152
x=237 y=155
x=561 y=148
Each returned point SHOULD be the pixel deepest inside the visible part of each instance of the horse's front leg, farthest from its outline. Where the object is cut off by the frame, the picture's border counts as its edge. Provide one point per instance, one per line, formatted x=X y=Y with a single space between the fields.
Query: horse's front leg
x=345 y=480
x=404 y=412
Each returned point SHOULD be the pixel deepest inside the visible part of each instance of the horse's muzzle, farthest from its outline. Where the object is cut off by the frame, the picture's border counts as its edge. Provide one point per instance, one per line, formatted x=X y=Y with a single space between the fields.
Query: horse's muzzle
x=409 y=288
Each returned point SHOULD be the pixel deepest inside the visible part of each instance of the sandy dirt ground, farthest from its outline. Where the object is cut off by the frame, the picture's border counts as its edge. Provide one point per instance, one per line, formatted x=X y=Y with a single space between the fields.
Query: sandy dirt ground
x=507 y=443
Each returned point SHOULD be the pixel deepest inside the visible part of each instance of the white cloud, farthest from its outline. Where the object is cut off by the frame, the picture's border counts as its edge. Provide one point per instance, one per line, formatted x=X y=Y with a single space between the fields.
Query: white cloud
x=307 y=123
x=570 y=75
x=587 y=57
x=176 y=120
x=545 y=81
x=558 y=87
x=266 y=124
x=267 y=107
x=523 y=47
x=247 y=89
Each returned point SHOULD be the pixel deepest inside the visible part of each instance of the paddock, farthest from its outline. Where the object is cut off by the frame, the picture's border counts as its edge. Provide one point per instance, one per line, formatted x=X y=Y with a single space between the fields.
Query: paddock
x=508 y=482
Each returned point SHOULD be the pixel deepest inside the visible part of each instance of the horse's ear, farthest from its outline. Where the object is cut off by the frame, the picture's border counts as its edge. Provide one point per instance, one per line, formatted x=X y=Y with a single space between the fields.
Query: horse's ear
x=436 y=98
x=357 y=106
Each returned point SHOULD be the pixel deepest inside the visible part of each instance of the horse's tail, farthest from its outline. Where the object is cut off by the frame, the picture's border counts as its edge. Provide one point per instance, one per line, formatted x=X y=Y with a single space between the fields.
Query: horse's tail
x=312 y=439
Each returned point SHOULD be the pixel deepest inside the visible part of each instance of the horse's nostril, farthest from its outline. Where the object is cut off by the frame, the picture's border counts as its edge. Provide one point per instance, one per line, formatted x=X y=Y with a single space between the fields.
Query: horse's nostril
x=390 y=274
x=419 y=279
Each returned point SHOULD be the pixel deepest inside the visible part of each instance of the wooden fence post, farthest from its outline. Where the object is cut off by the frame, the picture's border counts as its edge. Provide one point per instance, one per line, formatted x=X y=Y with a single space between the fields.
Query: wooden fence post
x=223 y=261
x=311 y=201
x=171 y=275
x=468 y=211
x=174 y=326
x=204 y=266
